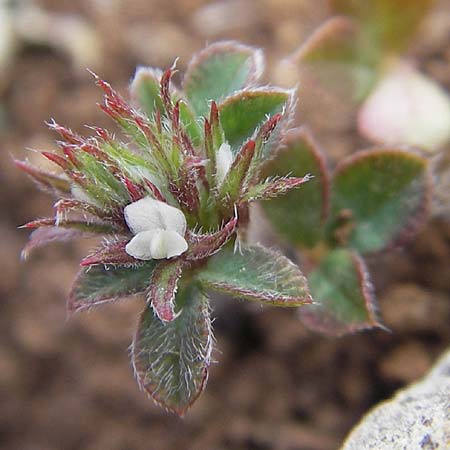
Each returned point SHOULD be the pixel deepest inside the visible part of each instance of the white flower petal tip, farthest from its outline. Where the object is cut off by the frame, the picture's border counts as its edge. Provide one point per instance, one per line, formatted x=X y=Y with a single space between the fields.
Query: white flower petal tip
x=224 y=159
x=150 y=214
x=156 y=244
x=167 y=244
x=158 y=227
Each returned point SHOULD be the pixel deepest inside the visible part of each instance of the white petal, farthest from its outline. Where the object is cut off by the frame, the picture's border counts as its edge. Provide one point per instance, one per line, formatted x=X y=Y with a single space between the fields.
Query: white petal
x=224 y=159
x=166 y=244
x=173 y=219
x=139 y=246
x=150 y=214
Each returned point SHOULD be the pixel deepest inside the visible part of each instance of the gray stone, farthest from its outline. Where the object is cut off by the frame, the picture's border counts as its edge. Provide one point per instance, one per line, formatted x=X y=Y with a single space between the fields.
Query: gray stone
x=417 y=417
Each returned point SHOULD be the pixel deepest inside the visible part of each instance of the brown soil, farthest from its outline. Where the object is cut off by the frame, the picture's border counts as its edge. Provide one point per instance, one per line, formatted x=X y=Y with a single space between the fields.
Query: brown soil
x=68 y=385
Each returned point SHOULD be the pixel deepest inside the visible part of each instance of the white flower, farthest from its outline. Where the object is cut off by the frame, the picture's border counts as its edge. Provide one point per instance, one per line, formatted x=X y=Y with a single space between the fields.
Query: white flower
x=224 y=159
x=158 y=228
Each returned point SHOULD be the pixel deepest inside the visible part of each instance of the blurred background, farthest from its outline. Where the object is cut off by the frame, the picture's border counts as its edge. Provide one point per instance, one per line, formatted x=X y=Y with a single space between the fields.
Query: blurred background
x=68 y=385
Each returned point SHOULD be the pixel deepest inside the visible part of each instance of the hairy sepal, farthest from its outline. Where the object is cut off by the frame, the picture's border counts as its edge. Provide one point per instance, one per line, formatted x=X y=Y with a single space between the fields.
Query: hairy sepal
x=49 y=182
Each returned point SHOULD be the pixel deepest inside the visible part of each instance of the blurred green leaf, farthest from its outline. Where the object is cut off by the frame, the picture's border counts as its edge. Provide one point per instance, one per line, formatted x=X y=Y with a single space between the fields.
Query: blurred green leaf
x=96 y=285
x=299 y=215
x=379 y=197
x=256 y=273
x=242 y=113
x=345 y=301
x=171 y=359
x=387 y=24
x=218 y=71
x=336 y=57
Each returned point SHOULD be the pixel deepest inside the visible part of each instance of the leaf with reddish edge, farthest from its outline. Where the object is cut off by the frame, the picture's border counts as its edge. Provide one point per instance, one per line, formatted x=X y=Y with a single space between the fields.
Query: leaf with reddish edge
x=80 y=225
x=111 y=253
x=47 y=235
x=299 y=216
x=66 y=206
x=344 y=295
x=379 y=198
x=171 y=359
x=244 y=112
x=47 y=181
x=256 y=273
x=220 y=70
x=202 y=246
x=99 y=284
x=163 y=288
x=335 y=56
x=386 y=24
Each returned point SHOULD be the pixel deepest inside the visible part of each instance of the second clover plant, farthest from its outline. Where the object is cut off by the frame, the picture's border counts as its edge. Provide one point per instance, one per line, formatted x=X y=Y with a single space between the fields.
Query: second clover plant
x=171 y=200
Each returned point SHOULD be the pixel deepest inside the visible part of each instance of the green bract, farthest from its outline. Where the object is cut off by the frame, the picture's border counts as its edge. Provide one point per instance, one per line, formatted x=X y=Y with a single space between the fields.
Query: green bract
x=169 y=196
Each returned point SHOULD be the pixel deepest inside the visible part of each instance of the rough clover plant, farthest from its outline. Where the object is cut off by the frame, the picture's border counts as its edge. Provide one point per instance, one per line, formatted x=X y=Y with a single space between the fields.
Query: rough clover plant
x=171 y=200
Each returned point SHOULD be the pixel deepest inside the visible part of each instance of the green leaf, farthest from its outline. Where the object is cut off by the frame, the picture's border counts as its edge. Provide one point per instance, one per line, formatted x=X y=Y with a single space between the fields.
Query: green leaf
x=299 y=215
x=344 y=295
x=145 y=90
x=242 y=113
x=96 y=285
x=171 y=359
x=163 y=287
x=220 y=70
x=335 y=56
x=387 y=24
x=256 y=273
x=379 y=197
